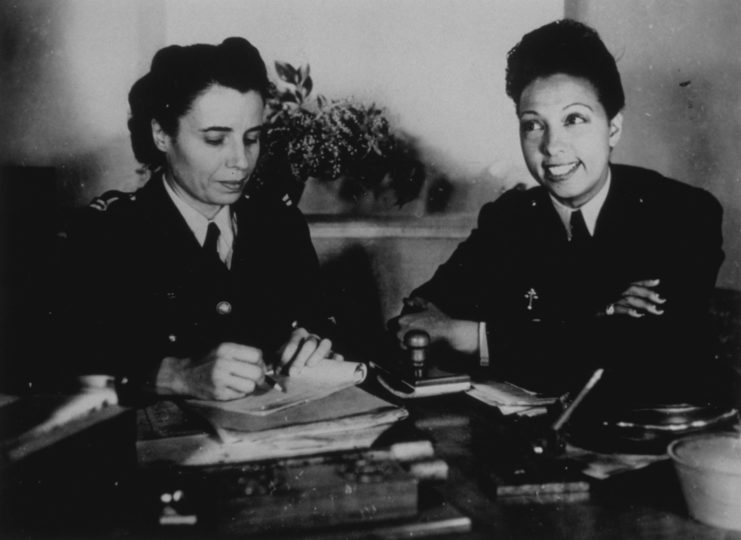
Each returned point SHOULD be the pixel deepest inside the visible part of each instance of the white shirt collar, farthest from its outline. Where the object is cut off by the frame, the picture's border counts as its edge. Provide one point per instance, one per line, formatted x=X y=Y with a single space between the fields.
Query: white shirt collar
x=590 y=210
x=198 y=223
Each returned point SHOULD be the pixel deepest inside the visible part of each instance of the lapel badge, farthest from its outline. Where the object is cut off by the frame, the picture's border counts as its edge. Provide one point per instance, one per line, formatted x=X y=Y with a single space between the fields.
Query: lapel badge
x=531 y=296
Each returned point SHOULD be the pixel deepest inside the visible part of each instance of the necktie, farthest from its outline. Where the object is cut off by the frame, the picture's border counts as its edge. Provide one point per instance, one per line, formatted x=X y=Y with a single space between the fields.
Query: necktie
x=580 y=236
x=211 y=245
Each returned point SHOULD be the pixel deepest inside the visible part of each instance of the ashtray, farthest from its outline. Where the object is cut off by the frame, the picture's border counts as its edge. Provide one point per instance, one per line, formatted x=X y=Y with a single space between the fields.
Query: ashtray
x=649 y=429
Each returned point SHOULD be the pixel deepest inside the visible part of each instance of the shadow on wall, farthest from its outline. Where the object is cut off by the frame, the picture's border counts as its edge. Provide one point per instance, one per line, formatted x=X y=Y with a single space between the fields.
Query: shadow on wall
x=354 y=299
x=84 y=176
x=30 y=244
x=726 y=310
x=693 y=135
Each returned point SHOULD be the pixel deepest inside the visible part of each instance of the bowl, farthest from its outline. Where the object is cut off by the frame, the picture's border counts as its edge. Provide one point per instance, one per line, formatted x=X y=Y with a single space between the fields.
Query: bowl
x=709 y=471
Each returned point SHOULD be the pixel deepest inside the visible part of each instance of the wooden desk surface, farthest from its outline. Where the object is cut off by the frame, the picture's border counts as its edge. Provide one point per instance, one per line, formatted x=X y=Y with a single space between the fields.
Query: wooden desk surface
x=639 y=504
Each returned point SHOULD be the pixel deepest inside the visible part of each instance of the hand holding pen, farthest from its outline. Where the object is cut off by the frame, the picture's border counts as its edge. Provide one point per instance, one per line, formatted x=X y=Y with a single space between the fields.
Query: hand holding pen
x=269 y=382
x=303 y=349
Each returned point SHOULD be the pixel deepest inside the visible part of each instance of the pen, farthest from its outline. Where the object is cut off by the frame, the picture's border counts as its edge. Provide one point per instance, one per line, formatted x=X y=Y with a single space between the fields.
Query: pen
x=558 y=424
x=269 y=383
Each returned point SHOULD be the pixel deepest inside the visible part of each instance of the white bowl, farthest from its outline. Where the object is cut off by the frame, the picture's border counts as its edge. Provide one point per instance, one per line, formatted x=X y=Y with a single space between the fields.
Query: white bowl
x=709 y=470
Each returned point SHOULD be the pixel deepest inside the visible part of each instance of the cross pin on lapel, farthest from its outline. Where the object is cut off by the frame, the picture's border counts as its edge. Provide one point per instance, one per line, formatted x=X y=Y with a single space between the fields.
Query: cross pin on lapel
x=531 y=297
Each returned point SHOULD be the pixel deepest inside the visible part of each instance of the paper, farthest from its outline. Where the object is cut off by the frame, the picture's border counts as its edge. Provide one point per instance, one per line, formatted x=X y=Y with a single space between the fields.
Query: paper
x=315 y=382
x=351 y=433
x=510 y=398
x=347 y=419
x=408 y=391
x=601 y=466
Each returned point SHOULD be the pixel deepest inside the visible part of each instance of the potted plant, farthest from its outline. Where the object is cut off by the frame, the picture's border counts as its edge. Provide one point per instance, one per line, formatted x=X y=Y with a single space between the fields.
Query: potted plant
x=342 y=140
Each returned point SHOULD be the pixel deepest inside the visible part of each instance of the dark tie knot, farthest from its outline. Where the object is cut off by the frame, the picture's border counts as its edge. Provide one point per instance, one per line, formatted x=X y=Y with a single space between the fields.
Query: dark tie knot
x=212 y=239
x=579 y=232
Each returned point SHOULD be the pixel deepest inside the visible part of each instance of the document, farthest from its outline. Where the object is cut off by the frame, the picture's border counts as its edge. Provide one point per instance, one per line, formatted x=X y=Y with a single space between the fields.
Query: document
x=320 y=380
x=322 y=410
x=324 y=392
x=510 y=398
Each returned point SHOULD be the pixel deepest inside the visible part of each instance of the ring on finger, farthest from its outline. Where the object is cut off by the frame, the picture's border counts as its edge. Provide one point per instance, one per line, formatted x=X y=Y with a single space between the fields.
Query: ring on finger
x=610 y=309
x=313 y=337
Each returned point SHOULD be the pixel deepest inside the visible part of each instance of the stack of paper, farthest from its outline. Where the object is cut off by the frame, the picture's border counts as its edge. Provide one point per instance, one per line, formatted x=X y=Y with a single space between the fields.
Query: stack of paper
x=510 y=398
x=321 y=410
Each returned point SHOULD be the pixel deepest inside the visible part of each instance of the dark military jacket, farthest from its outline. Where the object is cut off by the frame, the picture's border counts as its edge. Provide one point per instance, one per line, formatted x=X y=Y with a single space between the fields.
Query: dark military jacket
x=542 y=300
x=138 y=286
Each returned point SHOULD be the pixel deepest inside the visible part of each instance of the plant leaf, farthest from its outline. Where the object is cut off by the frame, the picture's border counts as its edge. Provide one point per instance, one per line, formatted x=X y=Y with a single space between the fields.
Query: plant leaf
x=283 y=69
x=294 y=77
x=289 y=96
x=304 y=71
x=307 y=86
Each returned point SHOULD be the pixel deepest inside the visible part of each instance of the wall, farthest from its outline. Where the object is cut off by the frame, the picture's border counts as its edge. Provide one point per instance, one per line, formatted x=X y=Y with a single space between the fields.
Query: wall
x=681 y=69
x=65 y=70
x=436 y=65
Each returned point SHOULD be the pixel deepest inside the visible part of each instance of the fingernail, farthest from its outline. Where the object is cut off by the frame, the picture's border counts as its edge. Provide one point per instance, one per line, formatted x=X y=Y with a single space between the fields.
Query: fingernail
x=634 y=313
x=655 y=310
x=658 y=299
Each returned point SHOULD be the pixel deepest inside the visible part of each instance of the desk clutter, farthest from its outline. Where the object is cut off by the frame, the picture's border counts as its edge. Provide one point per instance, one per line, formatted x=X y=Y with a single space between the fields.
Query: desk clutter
x=301 y=494
x=510 y=399
x=315 y=414
x=297 y=468
x=415 y=376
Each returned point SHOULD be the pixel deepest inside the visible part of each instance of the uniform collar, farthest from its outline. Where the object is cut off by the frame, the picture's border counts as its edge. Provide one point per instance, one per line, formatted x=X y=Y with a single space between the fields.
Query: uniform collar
x=198 y=223
x=590 y=210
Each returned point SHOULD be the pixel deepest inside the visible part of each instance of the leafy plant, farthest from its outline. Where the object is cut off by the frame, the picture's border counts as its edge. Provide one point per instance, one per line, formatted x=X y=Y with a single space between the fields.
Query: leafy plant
x=315 y=137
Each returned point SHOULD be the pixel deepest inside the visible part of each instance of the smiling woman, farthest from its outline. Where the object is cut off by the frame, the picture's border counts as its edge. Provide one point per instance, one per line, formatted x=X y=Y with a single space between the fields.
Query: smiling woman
x=600 y=266
x=566 y=137
x=190 y=286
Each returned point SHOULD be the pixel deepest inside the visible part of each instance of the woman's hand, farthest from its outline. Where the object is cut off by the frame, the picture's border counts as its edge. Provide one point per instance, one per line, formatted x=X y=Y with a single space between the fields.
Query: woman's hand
x=304 y=349
x=460 y=335
x=638 y=300
x=229 y=371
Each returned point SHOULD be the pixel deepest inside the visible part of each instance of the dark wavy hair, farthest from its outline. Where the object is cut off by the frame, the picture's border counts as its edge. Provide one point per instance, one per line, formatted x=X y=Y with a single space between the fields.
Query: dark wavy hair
x=570 y=47
x=177 y=76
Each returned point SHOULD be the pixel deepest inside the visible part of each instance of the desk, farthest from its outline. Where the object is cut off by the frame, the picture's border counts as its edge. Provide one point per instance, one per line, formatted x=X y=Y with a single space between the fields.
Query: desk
x=640 y=504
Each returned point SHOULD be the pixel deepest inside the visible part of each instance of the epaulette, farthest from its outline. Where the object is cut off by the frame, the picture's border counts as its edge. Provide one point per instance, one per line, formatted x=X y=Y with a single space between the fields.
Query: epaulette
x=108 y=198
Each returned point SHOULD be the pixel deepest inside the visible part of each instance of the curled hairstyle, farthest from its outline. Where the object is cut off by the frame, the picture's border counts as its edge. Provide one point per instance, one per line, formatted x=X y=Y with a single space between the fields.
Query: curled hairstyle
x=177 y=76
x=570 y=47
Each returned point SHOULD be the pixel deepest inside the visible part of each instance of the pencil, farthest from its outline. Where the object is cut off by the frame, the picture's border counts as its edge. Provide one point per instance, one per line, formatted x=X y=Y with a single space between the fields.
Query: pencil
x=275 y=385
x=269 y=383
x=558 y=424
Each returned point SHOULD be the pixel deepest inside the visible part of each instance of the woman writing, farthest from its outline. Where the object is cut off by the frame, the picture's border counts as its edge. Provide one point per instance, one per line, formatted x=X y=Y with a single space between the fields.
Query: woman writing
x=189 y=286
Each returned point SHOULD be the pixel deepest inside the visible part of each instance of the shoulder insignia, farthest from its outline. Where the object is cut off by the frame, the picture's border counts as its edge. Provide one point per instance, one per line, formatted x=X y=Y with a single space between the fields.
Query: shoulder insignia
x=108 y=198
x=287 y=200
